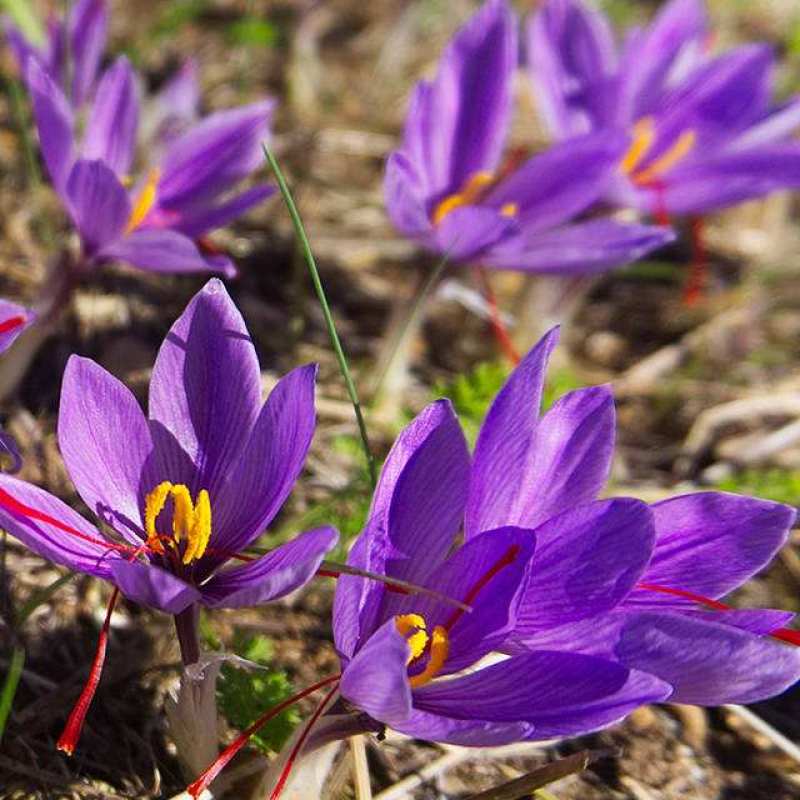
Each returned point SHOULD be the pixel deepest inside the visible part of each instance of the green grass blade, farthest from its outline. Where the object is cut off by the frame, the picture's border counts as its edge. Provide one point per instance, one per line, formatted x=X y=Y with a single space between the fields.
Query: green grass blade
x=25 y=18
x=326 y=310
x=10 y=685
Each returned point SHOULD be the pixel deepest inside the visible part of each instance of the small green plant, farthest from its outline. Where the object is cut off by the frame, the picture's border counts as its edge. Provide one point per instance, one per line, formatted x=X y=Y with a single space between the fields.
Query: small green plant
x=253 y=31
x=243 y=694
x=178 y=13
x=780 y=485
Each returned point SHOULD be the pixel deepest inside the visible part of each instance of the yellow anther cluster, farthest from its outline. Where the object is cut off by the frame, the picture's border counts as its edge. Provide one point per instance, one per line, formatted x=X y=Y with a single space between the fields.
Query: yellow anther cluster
x=472 y=191
x=414 y=628
x=191 y=522
x=145 y=201
x=644 y=136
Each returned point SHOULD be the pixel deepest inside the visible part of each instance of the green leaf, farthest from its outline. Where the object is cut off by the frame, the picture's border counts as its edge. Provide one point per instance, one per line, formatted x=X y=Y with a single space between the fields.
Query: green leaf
x=26 y=19
x=177 y=14
x=10 y=685
x=244 y=694
x=780 y=485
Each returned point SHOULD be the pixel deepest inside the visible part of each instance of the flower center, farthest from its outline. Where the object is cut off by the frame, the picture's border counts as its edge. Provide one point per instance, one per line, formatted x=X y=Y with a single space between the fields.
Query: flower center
x=644 y=137
x=191 y=522
x=472 y=192
x=145 y=201
x=414 y=628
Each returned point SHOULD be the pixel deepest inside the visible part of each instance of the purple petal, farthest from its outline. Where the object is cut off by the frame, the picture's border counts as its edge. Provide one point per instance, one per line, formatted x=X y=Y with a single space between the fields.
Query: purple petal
x=49 y=541
x=726 y=179
x=114 y=120
x=21 y=48
x=154 y=587
x=104 y=440
x=587 y=561
x=467 y=232
x=431 y=448
x=583 y=248
x=553 y=187
x=197 y=224
x=567 y=463
x=457 y=124
x=176 y=105
x=166 y=251
x=710 y=543
x=404 y=197
x=54 y=123
x=506 y=438
x=213 y=156
x=679 y=25
x=707 y=663
x=465 y=732
x=206 y=390
x=88 y=23
x=777 y=126
x=272 y=576
x=570 y=53
x=376 y=680
x=14 y=319
x=10 y=449
x=760 y=621
x=271 y=461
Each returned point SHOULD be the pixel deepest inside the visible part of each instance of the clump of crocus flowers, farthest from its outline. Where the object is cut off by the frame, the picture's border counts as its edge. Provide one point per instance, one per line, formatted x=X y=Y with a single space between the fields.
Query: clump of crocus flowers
x=492 y=596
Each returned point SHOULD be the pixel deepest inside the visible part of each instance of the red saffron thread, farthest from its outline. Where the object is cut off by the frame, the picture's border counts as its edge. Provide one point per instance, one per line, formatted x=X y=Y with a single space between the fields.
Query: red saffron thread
x=16 y=507
x=698 y=268
x=506 y=560
x=498 y=328
x=783 y=634
x=11 y=324
x=661 y=212
x=72 y=730
x=208 y=775
x=298 y=746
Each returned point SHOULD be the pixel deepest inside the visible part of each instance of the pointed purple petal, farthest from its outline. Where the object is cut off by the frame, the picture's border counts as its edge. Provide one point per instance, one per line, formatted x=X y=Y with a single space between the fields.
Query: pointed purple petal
x=465 y=732
x=14 y=319
x=272 y=576
x=50 y=542
x=271 y=461
x=199 y=223
x=707 y=663
x=587 y=561
x=580 y=249
x=104 y=440
x=54 y=124
x=114 y=120
x=376 y=680
x=777 y=126
x=710 y=543
x=405 y=198
x=213 y=156
x=99 y=205
x=206 y=388
x=506 y=438
x=176 y=105
x=166 y=251
x=467 y=232
x=154 y=587
x=88 y=23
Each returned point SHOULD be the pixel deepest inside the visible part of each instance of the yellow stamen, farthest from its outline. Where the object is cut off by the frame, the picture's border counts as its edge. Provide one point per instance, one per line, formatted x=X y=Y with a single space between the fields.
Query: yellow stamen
x=191 y=522
x=440 y=649
x=509 y=210
x=644 y=134
x=145 y=201
x=471 y=192
x=418 y=640
x=682 y=147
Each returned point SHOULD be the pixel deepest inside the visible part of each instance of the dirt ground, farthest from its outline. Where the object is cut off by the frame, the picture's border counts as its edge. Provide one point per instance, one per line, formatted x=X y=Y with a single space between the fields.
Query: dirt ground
x=341 y=71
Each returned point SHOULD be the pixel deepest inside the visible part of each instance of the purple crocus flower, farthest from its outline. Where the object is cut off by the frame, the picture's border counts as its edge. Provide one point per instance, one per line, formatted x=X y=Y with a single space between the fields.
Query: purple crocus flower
x=14 y=318
x=72 y=51
x=449 y=188
x=152 y=223
x=402 y=655
x=702 y=131
x=187 y=488
x=617 y=580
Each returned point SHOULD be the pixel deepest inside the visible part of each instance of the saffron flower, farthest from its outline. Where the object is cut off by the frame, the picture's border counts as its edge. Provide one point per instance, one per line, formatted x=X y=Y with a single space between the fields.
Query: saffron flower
x=703 y=131
x=181 y=493
x=14 y=318
x=450 y=188
x=403 y=657
x=155 y=221
x=71 y=52
x=638 y=587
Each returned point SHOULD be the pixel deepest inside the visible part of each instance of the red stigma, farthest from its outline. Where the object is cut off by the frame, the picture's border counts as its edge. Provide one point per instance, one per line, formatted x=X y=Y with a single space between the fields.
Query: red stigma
x=11 y=324
x=504 y=561
x=72 y=731
x=498 y=328
x=698 y=269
